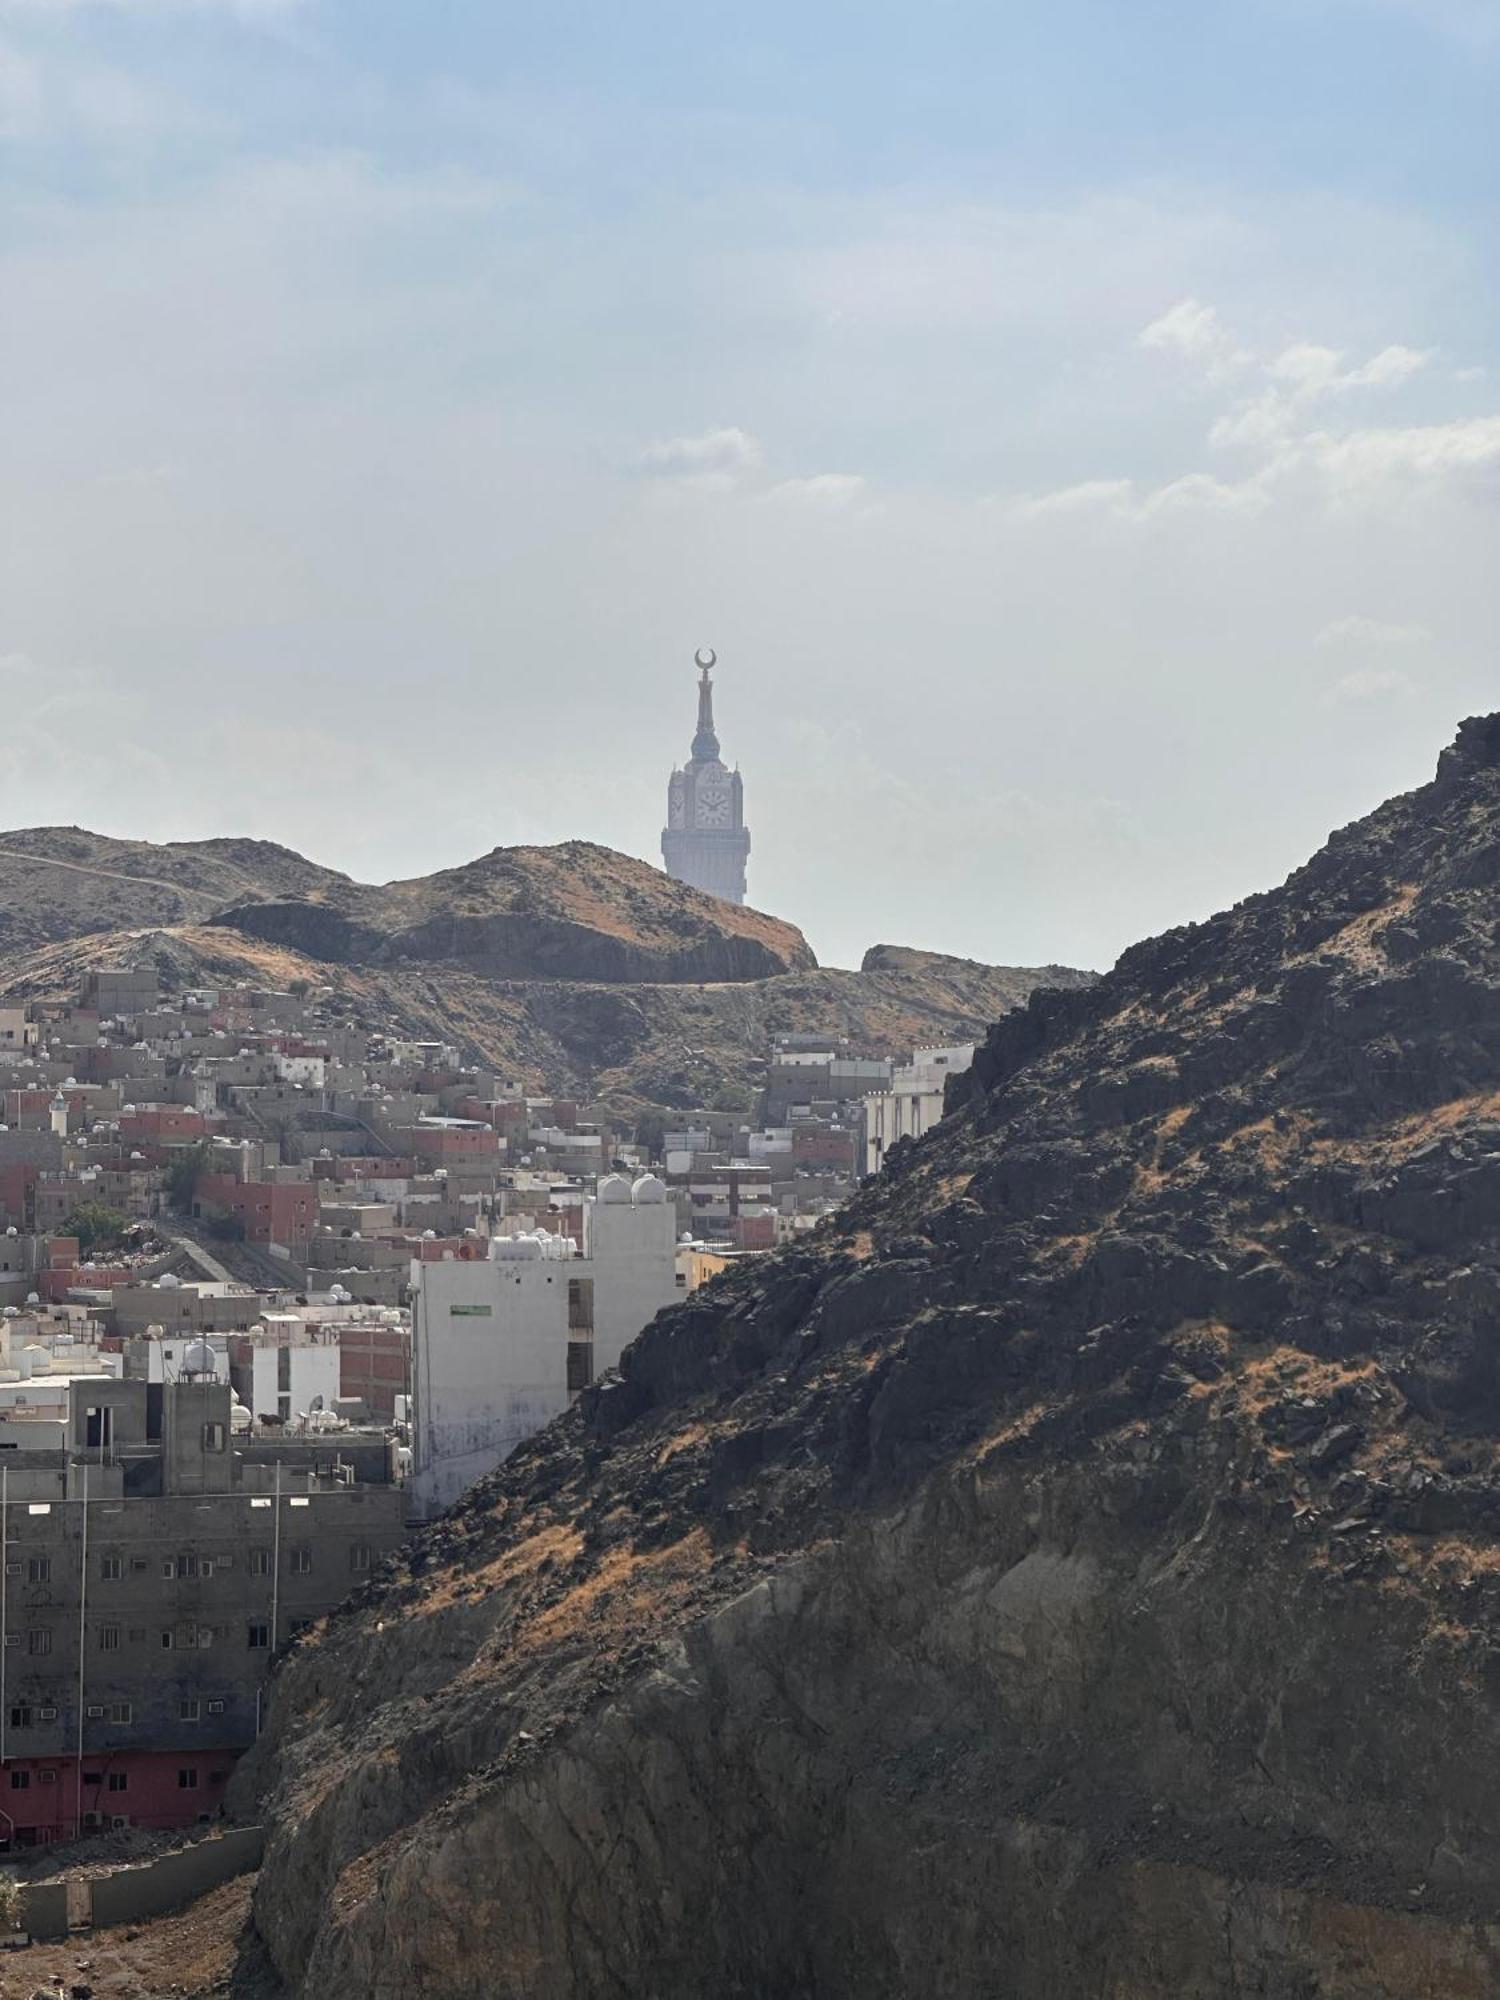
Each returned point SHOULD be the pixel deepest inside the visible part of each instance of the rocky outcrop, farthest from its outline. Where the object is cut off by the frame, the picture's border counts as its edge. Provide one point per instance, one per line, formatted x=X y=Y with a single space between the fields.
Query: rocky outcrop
x=1075 y=1573
x=570 y=912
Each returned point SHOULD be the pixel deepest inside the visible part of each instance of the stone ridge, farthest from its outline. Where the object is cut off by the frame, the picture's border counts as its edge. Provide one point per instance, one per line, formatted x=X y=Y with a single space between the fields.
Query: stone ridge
x=1076 y=1571
x=575 y=911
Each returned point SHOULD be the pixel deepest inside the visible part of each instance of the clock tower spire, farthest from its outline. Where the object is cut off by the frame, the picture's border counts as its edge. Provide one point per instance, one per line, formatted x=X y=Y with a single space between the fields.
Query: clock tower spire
x=705 y=841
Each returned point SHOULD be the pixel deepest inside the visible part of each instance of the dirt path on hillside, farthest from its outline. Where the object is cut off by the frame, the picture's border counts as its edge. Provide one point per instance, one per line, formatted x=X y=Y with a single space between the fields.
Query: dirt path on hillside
x=191 y=1956
x=88 y=868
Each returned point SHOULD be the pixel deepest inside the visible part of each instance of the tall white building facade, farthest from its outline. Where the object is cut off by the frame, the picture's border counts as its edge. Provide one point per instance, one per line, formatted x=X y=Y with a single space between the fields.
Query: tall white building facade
x=705 y=842
x=914 y=1102
x=502 y=1343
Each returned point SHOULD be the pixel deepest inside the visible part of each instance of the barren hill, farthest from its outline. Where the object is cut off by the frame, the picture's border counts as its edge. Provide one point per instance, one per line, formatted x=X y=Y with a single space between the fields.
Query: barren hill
x=1073 y=1573
x=568 y=967
x=572 y=912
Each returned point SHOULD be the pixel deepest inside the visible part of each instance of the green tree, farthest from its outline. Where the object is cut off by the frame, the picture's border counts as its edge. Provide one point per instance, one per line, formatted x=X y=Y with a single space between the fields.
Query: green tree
x=183 y=1175
x=96 y=1226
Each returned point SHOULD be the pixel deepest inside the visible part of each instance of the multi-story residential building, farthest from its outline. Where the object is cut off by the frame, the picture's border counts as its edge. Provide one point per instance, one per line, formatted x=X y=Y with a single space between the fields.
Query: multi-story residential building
x=505 y=1334
x=151 y=1562
x=914 y=1102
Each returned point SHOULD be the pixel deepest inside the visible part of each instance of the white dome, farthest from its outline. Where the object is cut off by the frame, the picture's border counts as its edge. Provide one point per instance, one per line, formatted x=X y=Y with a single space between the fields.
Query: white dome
x=649 y=1191
x=614 y=1188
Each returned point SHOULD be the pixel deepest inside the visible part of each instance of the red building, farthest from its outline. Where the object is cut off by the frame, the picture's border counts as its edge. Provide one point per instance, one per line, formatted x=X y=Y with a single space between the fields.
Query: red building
x=48 y=1799
x=440 y=1145
x=282 y=1212
x=162 y=1125
x=374 y=1364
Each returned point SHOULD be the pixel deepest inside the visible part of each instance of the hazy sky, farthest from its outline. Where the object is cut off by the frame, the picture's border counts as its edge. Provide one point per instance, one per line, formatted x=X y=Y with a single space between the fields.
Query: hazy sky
x=1076 y=425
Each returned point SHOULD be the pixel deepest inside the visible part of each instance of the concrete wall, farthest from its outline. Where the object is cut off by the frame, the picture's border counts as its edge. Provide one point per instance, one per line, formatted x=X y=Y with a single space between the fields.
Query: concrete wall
x=153 y=1889
x=173 y=1881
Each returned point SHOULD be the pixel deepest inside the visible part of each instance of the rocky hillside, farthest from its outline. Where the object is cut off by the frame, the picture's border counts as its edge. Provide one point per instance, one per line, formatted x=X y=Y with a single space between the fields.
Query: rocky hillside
x=1077 y=1573
x=571 y=912
x=642 y=1050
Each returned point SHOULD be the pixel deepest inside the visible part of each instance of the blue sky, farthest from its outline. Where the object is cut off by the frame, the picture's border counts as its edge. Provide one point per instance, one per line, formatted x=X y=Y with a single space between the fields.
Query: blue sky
x=1075 y=427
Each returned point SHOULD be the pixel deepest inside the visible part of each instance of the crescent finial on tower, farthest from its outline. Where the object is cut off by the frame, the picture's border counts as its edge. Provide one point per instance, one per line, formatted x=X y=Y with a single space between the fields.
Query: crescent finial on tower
x=705 y=658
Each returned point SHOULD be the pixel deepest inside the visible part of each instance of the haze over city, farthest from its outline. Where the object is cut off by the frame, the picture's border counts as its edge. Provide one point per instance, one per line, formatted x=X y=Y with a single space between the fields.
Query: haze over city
x=1076 y=430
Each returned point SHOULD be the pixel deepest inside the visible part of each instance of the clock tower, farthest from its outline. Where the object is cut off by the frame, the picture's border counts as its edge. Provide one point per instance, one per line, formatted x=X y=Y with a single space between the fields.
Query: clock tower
x=705 y=842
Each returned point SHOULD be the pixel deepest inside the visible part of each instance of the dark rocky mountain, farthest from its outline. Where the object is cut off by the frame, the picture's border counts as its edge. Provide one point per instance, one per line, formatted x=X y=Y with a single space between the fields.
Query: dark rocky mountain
x=1077 y=1572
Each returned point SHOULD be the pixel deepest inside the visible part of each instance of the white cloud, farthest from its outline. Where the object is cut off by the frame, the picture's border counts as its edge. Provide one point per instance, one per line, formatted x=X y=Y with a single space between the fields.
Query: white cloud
x=1360 y=633
x=1370 y=687
x=1195 y=333
x=713 y=459
x=832 y=491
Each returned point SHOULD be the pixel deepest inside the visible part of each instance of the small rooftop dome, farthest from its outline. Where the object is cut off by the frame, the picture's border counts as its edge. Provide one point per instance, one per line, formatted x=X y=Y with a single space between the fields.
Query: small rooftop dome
x=169 y=1282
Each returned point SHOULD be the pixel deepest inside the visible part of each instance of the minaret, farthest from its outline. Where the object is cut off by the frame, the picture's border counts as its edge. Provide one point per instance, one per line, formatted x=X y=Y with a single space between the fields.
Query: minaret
x=705 y=841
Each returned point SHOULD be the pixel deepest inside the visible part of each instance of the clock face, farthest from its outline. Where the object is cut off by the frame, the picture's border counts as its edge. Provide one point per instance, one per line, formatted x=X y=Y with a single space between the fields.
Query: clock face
x=713 y=806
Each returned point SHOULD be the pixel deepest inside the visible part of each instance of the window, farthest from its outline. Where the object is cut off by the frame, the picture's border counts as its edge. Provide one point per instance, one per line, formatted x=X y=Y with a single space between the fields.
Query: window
x=260 y=1562
x=216 y=1708
x=119 y=1781
x=169 y=1569
x=46 y=1715
x=121 y=1712
x=302 y=1560
x=109 y=1638
x=359 y=1556
x=187 y=1565
x=189 y=1709
x=204 y=1637
x=39 y=1640
x=20 y=1781
x=284 y=1369
x=93 y=1777
x=99 y=1428
x=39 y=1569
x=168 y=1640
x=187 y=1778
x=111 y=1568
x=258 y=1635
x=138 y=1565
x=213 y=1437
x=46 y=1777
x=95 y=1711
x=20 y=1715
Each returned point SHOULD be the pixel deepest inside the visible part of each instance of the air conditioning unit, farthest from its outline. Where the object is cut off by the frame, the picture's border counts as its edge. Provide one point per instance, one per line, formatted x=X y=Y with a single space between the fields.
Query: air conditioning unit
x=93 y=1819
x=118 y=1822
x=46 y=1715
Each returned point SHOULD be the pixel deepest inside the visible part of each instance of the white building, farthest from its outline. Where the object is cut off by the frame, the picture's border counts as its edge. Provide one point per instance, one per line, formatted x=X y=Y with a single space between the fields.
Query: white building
x=285 y=1368
x=501 y=1343
x=914 y=1102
